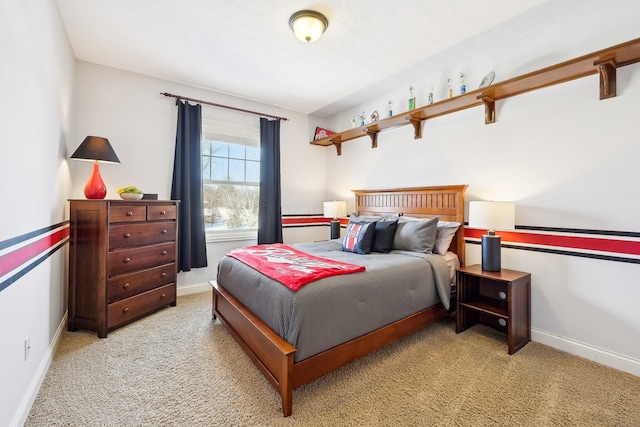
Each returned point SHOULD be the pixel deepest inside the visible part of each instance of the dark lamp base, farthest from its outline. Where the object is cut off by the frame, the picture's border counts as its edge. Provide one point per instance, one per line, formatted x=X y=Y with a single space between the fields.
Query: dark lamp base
x=335 y=229
x=491 y=253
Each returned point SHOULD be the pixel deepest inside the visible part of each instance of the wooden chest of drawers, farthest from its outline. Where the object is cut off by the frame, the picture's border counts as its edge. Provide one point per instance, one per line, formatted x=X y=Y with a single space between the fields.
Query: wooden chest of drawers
x=122 y=261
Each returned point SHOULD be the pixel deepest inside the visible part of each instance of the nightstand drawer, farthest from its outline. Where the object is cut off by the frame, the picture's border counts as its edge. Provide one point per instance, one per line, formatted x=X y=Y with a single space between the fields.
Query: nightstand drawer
x=139 y=305
x=125 y=235
x=128 y=285
x=126 y=260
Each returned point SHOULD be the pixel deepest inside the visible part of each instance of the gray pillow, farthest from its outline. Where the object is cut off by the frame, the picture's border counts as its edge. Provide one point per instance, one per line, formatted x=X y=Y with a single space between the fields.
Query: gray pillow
x=354 y=217
x=416 y=236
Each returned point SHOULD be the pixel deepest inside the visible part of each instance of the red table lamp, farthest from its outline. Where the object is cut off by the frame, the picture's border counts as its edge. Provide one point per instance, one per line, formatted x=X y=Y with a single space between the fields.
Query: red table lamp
x=95 y=149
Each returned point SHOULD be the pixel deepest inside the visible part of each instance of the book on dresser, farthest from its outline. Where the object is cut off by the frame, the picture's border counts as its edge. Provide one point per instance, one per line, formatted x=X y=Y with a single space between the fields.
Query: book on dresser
x=122 y=261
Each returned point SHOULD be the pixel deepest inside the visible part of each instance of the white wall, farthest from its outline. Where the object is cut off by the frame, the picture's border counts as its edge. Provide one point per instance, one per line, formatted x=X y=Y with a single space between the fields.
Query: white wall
x=140 y=123
x=566 y=158
x=36 y=77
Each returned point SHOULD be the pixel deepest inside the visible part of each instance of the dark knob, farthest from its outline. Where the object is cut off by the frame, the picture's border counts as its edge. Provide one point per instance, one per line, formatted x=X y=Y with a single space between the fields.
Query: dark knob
x=127 y=260
x=126 y=285
x=129 y=213
x=163 y=275
x=164 y=252
x=163 y=212
x=125 y=310
x=127 y=235
x=164 y=231
x=163 y=295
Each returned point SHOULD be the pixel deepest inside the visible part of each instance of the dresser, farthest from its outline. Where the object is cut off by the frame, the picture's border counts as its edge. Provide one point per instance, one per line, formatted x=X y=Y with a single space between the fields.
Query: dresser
x=122 y=261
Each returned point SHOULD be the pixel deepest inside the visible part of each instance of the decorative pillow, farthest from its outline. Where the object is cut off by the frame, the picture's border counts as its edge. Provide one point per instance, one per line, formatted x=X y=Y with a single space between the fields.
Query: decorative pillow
x=416 y=236
x=358 y=237
x=444 y=236
x=383 y=236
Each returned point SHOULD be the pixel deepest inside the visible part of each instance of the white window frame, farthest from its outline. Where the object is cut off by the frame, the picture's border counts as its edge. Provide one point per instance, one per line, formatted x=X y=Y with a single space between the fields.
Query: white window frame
x=213 y=130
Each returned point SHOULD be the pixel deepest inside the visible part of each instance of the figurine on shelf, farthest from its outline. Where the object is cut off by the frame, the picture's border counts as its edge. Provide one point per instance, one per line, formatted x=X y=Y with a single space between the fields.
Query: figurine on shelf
x=463 y=87
x=375 y=116
x=412 y=98
x=354 y=122
x=430 y=94
x=390 y=108
x=361 y=117
x=449 y=90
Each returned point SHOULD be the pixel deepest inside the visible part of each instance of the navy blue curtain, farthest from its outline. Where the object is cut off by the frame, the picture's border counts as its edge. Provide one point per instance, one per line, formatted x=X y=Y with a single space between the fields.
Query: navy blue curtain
x=187 y=187
x=270 y=211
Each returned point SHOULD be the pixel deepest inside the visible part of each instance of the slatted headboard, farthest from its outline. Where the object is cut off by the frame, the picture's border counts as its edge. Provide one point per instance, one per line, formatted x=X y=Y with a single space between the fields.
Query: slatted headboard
x=423 y=202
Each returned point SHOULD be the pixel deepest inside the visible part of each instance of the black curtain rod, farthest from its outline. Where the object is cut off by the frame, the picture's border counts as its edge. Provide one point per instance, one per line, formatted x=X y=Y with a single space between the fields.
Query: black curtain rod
x=222 y=106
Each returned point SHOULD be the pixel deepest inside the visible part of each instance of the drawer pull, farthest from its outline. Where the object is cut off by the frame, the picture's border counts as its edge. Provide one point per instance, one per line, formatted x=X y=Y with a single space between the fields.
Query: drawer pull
x=125 y=310
x=127 y=235
x=164 y=252
x=164 y=231
x=129 y=213
x=126 y=285
x=126 y=260
x=163 y=295
x=163 y=212
x=163 y=275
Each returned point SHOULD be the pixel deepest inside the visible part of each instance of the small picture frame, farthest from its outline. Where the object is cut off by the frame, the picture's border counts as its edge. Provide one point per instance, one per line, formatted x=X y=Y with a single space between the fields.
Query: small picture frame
x=322 y=133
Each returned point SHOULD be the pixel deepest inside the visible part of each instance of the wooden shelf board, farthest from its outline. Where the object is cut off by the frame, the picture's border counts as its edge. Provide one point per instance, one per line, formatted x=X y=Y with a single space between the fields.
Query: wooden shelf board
x=621 y=55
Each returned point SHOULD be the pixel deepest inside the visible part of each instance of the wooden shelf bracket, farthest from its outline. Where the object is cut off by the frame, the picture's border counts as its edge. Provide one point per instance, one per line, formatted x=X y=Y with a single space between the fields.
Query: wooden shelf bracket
x=338 y=146
x=373 y=134
x=417 y=127
x=489 y=109
x=607 y=70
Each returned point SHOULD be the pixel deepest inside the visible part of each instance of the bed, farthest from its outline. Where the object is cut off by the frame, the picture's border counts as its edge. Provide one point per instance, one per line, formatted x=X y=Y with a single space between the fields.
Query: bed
x=286 y=366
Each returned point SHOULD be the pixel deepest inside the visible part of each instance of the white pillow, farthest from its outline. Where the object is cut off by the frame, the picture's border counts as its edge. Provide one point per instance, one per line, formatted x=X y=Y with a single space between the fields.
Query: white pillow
x=444 y=236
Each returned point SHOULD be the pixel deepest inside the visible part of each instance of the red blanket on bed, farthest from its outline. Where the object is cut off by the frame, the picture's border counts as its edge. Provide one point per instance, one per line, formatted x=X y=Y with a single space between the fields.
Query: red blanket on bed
x=290 y=266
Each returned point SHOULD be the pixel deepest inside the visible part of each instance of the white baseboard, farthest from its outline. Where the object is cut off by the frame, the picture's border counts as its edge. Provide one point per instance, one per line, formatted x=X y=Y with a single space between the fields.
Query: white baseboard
x=193 y=289
x=595 y=354
x=32 y=392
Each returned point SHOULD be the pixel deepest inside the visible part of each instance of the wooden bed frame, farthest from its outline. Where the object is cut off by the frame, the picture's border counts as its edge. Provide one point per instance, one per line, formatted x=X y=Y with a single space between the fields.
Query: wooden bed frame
x=273 y=355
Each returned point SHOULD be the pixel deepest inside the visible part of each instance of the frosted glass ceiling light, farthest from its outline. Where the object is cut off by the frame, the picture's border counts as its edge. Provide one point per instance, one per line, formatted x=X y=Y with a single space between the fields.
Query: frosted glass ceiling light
x=308 y=25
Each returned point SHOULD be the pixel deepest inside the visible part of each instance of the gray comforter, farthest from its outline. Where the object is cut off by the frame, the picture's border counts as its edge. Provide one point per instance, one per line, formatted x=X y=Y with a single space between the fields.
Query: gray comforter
x=334 y=310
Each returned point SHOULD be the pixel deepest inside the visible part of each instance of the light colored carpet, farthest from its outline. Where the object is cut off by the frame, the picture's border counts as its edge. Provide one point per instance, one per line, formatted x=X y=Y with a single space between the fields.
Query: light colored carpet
x=178 y=368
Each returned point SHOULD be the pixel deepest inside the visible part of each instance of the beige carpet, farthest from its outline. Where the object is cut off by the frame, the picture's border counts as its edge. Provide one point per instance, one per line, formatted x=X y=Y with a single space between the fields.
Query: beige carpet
x=178 y=368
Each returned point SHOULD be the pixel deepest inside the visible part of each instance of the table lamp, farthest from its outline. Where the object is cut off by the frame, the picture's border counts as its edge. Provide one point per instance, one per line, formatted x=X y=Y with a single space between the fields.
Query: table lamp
x=491 y=216
x=335 y=210
x=95 y=149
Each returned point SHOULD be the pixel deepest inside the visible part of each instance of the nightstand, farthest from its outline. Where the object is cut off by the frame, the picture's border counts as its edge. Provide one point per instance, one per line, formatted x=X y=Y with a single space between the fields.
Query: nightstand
x=500 y=299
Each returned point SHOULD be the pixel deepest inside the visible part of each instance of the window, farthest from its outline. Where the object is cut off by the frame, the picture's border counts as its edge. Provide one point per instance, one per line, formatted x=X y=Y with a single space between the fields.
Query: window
x=231 y=179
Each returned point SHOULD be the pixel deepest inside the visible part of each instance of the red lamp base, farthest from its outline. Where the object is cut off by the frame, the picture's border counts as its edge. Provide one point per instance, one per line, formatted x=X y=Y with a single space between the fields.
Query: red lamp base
x=95 y=188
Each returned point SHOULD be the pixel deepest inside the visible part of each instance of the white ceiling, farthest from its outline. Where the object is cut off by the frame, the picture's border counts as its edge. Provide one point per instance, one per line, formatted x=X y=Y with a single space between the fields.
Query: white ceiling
x=245 y=48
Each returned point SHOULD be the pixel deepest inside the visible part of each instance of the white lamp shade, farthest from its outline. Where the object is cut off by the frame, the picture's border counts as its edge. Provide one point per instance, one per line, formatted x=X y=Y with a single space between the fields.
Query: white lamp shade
x=335 y=209
x=308 y=25
x=492 y=215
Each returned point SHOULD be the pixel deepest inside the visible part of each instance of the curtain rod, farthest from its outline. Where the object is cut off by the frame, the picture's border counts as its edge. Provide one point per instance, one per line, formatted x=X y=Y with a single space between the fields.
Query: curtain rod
x=222 y=106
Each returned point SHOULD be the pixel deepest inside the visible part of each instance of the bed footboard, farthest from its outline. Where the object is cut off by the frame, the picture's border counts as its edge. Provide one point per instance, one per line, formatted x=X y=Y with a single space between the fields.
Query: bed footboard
x=272 y=354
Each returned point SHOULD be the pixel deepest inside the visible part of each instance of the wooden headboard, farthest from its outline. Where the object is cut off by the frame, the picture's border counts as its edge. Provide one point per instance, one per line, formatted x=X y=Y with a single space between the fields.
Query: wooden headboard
x=423 y=202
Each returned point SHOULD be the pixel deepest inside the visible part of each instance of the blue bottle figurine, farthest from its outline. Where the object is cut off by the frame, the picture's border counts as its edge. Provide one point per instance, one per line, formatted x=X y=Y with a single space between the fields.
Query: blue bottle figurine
x=463 y=87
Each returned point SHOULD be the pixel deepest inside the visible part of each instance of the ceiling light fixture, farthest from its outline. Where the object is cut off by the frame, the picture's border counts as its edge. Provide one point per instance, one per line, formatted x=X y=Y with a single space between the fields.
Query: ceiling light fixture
x=308 y=25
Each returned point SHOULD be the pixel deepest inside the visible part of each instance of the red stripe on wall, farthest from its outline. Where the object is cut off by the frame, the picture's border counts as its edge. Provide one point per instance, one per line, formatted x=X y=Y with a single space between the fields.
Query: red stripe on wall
x=305 y=220
x=18 y=257
x=311 y=220
x=574 y=242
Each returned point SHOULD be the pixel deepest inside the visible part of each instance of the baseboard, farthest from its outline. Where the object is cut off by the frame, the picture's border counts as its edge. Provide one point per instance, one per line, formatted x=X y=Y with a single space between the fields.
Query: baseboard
x=32 y=392
x=595 y=354
x=193 y=289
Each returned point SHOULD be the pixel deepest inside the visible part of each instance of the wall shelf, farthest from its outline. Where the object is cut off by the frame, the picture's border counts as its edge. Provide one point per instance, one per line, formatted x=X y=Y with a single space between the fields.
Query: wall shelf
x=604 y=62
